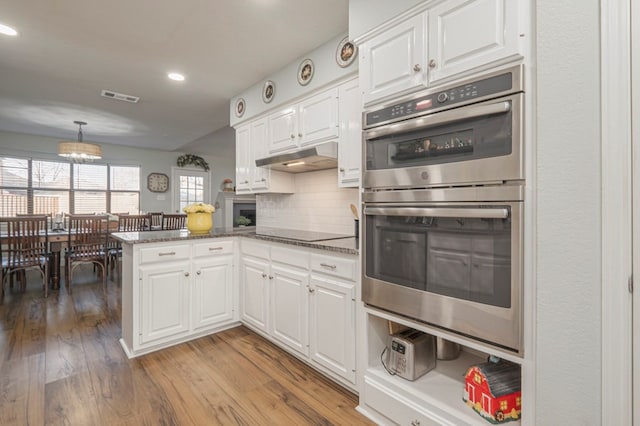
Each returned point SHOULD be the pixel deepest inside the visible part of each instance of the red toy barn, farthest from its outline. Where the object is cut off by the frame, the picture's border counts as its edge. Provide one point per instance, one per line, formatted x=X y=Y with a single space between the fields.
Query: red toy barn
x=493 y=390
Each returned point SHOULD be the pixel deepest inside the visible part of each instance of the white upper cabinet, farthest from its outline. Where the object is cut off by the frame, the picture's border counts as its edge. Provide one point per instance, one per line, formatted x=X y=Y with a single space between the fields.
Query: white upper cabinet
x=311 y=121
x=394 y=62
x=350 y=145
x=469 y=34
x=243 y=162
x=318 y=118
x=283 y=129
x=260 y=176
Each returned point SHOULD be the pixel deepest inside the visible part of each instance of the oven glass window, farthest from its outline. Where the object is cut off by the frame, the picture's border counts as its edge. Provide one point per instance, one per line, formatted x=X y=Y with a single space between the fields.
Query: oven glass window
x=472 y=139
x=463 y=258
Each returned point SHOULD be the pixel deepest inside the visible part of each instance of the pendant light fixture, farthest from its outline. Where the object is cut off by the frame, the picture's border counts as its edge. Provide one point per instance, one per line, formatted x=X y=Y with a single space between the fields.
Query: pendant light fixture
x=79 y=151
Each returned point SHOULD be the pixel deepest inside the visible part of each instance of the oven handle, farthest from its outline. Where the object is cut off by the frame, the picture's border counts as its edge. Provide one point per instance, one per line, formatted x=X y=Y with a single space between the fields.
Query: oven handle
x=438 y=212
x=440 y=118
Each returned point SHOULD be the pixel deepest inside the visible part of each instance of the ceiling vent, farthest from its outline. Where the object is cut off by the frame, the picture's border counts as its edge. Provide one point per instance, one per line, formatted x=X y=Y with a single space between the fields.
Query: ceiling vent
x=120 y=96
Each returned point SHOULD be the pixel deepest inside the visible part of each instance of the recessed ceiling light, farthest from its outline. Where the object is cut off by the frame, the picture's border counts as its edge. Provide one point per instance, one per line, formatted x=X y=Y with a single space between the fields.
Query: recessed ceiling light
x=176 y=76
x=7 y=30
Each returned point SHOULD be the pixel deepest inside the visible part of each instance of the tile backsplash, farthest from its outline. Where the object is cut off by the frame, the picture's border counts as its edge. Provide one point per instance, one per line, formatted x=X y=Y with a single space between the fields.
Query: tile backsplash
x=318 y=204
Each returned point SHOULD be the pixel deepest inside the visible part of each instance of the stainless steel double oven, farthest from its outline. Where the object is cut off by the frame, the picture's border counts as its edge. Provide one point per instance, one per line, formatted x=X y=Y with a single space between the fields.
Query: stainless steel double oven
x=443 y=193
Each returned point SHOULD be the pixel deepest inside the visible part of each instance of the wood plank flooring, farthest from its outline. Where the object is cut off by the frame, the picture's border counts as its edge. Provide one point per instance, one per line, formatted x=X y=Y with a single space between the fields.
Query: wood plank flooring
x=61 y=364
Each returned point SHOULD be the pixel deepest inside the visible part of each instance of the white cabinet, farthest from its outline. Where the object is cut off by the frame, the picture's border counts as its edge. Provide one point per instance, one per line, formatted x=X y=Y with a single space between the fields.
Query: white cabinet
x=469 y=34
x=164 y=301
x=311 y=303
x=394 y=62
x=243 y=159
x=176 y=292
x=254 y=303
x=350 y=143
x=251 y=144
x=309 y=122
x=332 y=322
x=289 y=313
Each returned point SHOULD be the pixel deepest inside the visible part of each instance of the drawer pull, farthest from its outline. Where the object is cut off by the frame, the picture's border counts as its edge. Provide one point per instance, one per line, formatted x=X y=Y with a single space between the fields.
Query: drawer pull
x=199 y=272
x=215 y=248
x=415 y=423
x=186 y=274
x=264 y=275
x=326 y=265
x=167 y=253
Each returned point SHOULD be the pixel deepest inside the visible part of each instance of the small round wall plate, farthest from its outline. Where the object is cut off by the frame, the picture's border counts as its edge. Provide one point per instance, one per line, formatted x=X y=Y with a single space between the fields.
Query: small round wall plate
x=268 y=91
x=305 y=72
x=346 y=52
x=240 y=107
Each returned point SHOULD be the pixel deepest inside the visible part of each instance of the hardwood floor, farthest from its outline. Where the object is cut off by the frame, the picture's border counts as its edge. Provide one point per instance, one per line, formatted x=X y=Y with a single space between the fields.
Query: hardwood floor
x=61 y=363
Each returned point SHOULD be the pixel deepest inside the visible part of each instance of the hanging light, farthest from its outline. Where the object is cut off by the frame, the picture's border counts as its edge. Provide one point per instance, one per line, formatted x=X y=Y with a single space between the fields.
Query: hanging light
x=79 y=151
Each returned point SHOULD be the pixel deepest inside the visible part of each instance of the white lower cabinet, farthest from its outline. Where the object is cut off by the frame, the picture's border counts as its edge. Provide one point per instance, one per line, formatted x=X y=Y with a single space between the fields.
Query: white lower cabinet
x=332 y=319
x=311 y=303
x=176 y=292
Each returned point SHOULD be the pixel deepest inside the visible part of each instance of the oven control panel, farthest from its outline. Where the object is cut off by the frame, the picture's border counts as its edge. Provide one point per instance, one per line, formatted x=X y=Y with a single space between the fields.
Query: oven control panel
x=438 y=100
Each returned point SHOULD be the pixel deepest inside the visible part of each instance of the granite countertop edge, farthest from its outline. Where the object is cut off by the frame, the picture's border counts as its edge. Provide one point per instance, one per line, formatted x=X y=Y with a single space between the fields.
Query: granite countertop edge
x=341 y=245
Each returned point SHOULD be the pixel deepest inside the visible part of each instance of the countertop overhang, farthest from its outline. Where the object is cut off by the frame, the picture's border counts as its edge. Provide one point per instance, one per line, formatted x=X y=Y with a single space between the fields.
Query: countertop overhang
x=342 y=245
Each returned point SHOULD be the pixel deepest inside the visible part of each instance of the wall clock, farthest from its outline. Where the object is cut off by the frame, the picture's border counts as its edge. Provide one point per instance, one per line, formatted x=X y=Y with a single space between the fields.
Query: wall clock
x=158 y=182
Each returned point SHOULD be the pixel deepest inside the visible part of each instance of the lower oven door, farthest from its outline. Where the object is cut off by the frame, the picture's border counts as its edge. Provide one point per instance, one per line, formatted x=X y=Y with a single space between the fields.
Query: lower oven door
x=453 y=265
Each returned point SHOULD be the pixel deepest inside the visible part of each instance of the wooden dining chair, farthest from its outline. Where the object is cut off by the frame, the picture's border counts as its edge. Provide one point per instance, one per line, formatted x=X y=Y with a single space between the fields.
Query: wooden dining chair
x=134 y=223
x=156 y=220
x=24 y=245
x=174 y=221
x=87 y=243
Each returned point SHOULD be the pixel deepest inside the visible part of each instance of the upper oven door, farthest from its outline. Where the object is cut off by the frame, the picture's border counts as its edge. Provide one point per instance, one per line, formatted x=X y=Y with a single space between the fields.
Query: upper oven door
x=473 y=144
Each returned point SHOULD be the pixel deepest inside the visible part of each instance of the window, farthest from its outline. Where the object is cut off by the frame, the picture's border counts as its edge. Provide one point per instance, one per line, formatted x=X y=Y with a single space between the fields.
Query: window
x=51 y=187
x=503 y=405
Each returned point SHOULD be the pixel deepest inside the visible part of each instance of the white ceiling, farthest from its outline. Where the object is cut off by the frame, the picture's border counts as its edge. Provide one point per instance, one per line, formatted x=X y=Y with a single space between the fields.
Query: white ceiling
x=67 y=51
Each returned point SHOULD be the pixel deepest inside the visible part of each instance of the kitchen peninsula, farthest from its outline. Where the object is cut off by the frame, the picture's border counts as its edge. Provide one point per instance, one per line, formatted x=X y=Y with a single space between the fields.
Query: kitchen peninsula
x=178 y=286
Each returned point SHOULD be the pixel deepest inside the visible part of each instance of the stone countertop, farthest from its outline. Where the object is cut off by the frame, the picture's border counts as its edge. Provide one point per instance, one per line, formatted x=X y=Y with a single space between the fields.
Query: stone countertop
x=342 y=245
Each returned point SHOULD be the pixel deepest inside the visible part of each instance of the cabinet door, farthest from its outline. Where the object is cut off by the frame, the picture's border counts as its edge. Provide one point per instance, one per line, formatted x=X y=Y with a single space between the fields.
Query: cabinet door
x=393 y=62
x=212 y=301
x=332 y=323
x=289 y=309
x=350 y=146
x=467 y=34
x=164 y=301
x=243 y=155
x=318 y=118
x=282 y=130
x=260 y=175
x=254 y=304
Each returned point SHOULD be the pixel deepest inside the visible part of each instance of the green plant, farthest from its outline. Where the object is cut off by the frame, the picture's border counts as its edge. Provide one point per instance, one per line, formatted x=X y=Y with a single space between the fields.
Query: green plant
x=243 y=221
x=186 y=159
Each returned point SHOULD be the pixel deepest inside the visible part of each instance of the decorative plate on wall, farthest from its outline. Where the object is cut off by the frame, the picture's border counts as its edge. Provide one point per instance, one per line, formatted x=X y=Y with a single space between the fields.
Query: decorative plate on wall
x=240 y=107
x=268 y=91
x=305 y=72
x=346 y=52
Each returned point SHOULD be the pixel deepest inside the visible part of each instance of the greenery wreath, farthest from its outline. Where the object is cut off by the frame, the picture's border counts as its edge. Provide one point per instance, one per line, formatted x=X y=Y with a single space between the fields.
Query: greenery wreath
x=186 y=159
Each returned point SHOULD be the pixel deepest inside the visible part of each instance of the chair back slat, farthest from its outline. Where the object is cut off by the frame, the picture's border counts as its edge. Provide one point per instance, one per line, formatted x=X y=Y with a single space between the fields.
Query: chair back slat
x=156 y=219
x=174 y=221
x=132 y=223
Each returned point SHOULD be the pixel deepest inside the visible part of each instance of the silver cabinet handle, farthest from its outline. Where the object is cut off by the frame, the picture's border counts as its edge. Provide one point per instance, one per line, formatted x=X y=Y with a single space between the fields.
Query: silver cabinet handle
x=326 y=265
x=417 y=68
x=186 y=274
x=263 y=180
x=432 y=63
x=415 y=423
x=311 y=290
x=293 y=136
x=438 y=212
x=342 y=169
x=299 y=135
x=246 y=181
x=215 y=248
x=270 y=277
x=199 y=272
x=167 y=253
x=264 y=275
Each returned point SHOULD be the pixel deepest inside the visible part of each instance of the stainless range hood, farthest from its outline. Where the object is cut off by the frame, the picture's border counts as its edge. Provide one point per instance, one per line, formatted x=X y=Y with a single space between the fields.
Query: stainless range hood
x=318 y=157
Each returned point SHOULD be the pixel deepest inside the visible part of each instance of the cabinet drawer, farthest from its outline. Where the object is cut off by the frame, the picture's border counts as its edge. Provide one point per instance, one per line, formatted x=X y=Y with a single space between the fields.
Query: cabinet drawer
x=335 y=266
x=295 y=257
x=212 y=248
x=255 y=249
x=164 y=254
x=394 y=406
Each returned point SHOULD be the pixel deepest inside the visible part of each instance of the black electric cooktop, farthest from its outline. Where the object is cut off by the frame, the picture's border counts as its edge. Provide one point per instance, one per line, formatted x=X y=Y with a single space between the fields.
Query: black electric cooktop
x=299 y=235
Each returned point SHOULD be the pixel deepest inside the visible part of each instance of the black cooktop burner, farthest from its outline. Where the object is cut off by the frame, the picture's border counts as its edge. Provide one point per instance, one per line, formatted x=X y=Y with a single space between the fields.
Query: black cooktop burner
x=299 y=235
